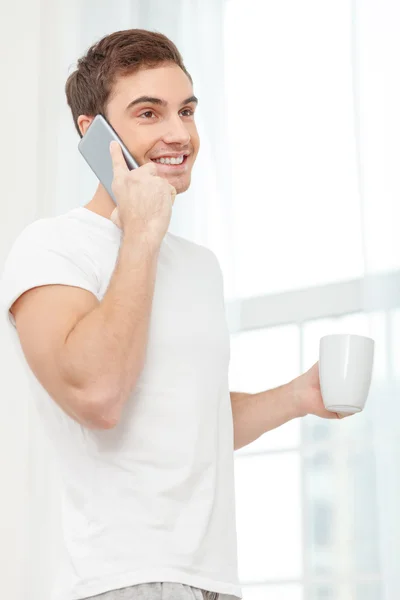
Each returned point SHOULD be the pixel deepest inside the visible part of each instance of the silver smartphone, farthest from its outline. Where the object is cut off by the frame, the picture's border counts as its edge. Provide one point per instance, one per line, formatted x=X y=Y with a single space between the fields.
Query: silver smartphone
x=95 y=149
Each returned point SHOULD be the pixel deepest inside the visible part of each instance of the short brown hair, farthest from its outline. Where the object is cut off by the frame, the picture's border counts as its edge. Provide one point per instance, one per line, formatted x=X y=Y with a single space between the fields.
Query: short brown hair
x=121 y=53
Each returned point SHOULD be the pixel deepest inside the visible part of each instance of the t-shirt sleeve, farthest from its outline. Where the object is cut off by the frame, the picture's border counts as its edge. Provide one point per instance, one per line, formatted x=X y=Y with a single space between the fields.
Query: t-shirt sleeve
x=43 y=255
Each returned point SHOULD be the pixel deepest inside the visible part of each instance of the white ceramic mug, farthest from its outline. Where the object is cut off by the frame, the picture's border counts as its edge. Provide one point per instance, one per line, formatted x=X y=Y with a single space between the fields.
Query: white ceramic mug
x=345 y=371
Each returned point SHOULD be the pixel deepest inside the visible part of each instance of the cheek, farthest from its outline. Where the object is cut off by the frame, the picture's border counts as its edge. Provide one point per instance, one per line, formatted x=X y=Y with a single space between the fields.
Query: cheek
x=142 y=145
x=194 y=136
x=140 y=140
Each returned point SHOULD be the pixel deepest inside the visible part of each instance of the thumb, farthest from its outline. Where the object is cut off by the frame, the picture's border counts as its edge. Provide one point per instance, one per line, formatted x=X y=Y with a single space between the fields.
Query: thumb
x=173 y=194
x=341 y=415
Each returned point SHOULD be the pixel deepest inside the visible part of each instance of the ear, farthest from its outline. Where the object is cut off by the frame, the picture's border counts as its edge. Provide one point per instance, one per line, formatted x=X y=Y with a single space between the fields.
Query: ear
x=83 y=123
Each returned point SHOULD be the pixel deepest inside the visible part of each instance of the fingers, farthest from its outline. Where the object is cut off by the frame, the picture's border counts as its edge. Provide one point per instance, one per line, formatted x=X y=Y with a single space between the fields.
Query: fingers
x=117 y=158
x=329 y=415
x=150 y=168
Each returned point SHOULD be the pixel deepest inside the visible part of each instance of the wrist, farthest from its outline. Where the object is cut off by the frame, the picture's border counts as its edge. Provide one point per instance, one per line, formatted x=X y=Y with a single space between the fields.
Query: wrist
x=295 y=398
x=142 y=240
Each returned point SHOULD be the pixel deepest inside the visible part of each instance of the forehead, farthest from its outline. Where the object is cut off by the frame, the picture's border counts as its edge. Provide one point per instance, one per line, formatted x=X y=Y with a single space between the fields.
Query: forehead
x=167 y=82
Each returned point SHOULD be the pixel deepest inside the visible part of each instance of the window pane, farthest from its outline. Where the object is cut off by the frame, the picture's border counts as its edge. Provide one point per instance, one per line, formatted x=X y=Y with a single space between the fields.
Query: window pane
x=268 y=497
x=341 y=510
x=370 y=590
x=261 y=360
x=326 y=592
x=290 y=121
x=273 y=592
x=323 y=592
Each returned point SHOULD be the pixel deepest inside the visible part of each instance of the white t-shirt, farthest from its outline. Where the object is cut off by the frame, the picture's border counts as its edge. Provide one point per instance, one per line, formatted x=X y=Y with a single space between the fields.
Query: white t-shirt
x=153 y=498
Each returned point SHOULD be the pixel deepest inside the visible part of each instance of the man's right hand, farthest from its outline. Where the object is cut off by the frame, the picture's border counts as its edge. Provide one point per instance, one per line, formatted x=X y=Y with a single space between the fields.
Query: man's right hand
x=144 y=200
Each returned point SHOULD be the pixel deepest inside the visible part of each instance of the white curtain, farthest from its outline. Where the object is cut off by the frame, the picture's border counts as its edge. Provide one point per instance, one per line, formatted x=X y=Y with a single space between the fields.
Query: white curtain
x=253 y=157
x=377 y=95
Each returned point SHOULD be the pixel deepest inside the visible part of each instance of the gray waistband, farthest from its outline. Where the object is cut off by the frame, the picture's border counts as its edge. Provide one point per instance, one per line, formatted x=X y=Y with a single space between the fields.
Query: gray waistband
x=157 y=591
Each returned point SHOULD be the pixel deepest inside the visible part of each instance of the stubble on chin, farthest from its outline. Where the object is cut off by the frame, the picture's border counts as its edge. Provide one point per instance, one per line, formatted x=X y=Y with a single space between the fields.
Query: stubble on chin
x=179 y=185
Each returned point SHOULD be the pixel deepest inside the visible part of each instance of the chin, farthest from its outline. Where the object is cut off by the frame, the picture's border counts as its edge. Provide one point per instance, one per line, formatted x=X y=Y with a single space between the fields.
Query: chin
x=179 y=185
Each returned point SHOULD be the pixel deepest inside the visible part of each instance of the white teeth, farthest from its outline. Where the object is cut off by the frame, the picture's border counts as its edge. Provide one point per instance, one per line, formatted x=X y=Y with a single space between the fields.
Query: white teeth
x=170 y=161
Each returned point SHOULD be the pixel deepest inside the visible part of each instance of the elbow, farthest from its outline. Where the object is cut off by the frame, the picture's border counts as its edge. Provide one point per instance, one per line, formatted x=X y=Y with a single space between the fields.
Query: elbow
x=98 y=412
x=101 y=422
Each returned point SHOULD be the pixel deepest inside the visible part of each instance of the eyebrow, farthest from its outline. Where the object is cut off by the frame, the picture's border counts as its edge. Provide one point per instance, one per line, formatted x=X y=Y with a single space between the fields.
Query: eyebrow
x=159 y=101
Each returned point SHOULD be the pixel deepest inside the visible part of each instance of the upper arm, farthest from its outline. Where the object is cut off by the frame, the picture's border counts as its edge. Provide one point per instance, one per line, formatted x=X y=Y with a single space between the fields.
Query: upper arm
x=51 y=279
x=44 y=316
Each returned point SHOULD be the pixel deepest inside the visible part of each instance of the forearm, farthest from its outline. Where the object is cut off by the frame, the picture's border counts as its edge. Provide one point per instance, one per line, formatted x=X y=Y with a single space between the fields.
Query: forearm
x=106 y=349
x=255 y=414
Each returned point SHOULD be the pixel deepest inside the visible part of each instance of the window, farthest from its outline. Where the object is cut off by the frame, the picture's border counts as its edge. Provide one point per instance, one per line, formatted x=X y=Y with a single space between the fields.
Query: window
x=306 y=492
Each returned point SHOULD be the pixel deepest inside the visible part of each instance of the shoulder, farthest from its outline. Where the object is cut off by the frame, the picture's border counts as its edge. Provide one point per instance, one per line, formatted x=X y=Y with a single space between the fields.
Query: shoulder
x=53 y=243
x=59 y=233
x=30 y=240
x=37 y=230
x=45 y=231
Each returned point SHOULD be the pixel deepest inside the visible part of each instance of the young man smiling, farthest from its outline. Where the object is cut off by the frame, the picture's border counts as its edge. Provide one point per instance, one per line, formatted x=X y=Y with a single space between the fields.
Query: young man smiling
x=122 y=327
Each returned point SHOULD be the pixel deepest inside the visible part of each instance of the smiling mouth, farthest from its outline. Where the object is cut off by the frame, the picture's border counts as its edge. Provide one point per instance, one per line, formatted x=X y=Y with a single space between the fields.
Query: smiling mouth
x=172 y=162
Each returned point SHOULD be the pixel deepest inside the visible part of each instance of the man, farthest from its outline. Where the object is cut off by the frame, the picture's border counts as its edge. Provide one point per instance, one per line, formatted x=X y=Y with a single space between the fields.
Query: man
x=122 y=326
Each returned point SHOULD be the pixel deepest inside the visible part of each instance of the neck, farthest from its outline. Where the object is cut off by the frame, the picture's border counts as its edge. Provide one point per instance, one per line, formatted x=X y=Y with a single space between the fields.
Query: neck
x=101 y=203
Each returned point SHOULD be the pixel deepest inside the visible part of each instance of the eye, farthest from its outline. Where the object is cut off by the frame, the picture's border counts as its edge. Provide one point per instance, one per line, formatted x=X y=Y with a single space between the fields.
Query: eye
x=146 y=114
x=189 y=112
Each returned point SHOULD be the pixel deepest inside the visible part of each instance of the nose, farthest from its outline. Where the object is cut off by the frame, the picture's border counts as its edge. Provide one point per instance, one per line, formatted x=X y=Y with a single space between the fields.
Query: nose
x=176 y=132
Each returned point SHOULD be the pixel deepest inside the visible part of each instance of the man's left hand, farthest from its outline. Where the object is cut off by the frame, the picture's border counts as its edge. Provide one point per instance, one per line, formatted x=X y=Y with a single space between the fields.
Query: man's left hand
x=307 y=391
